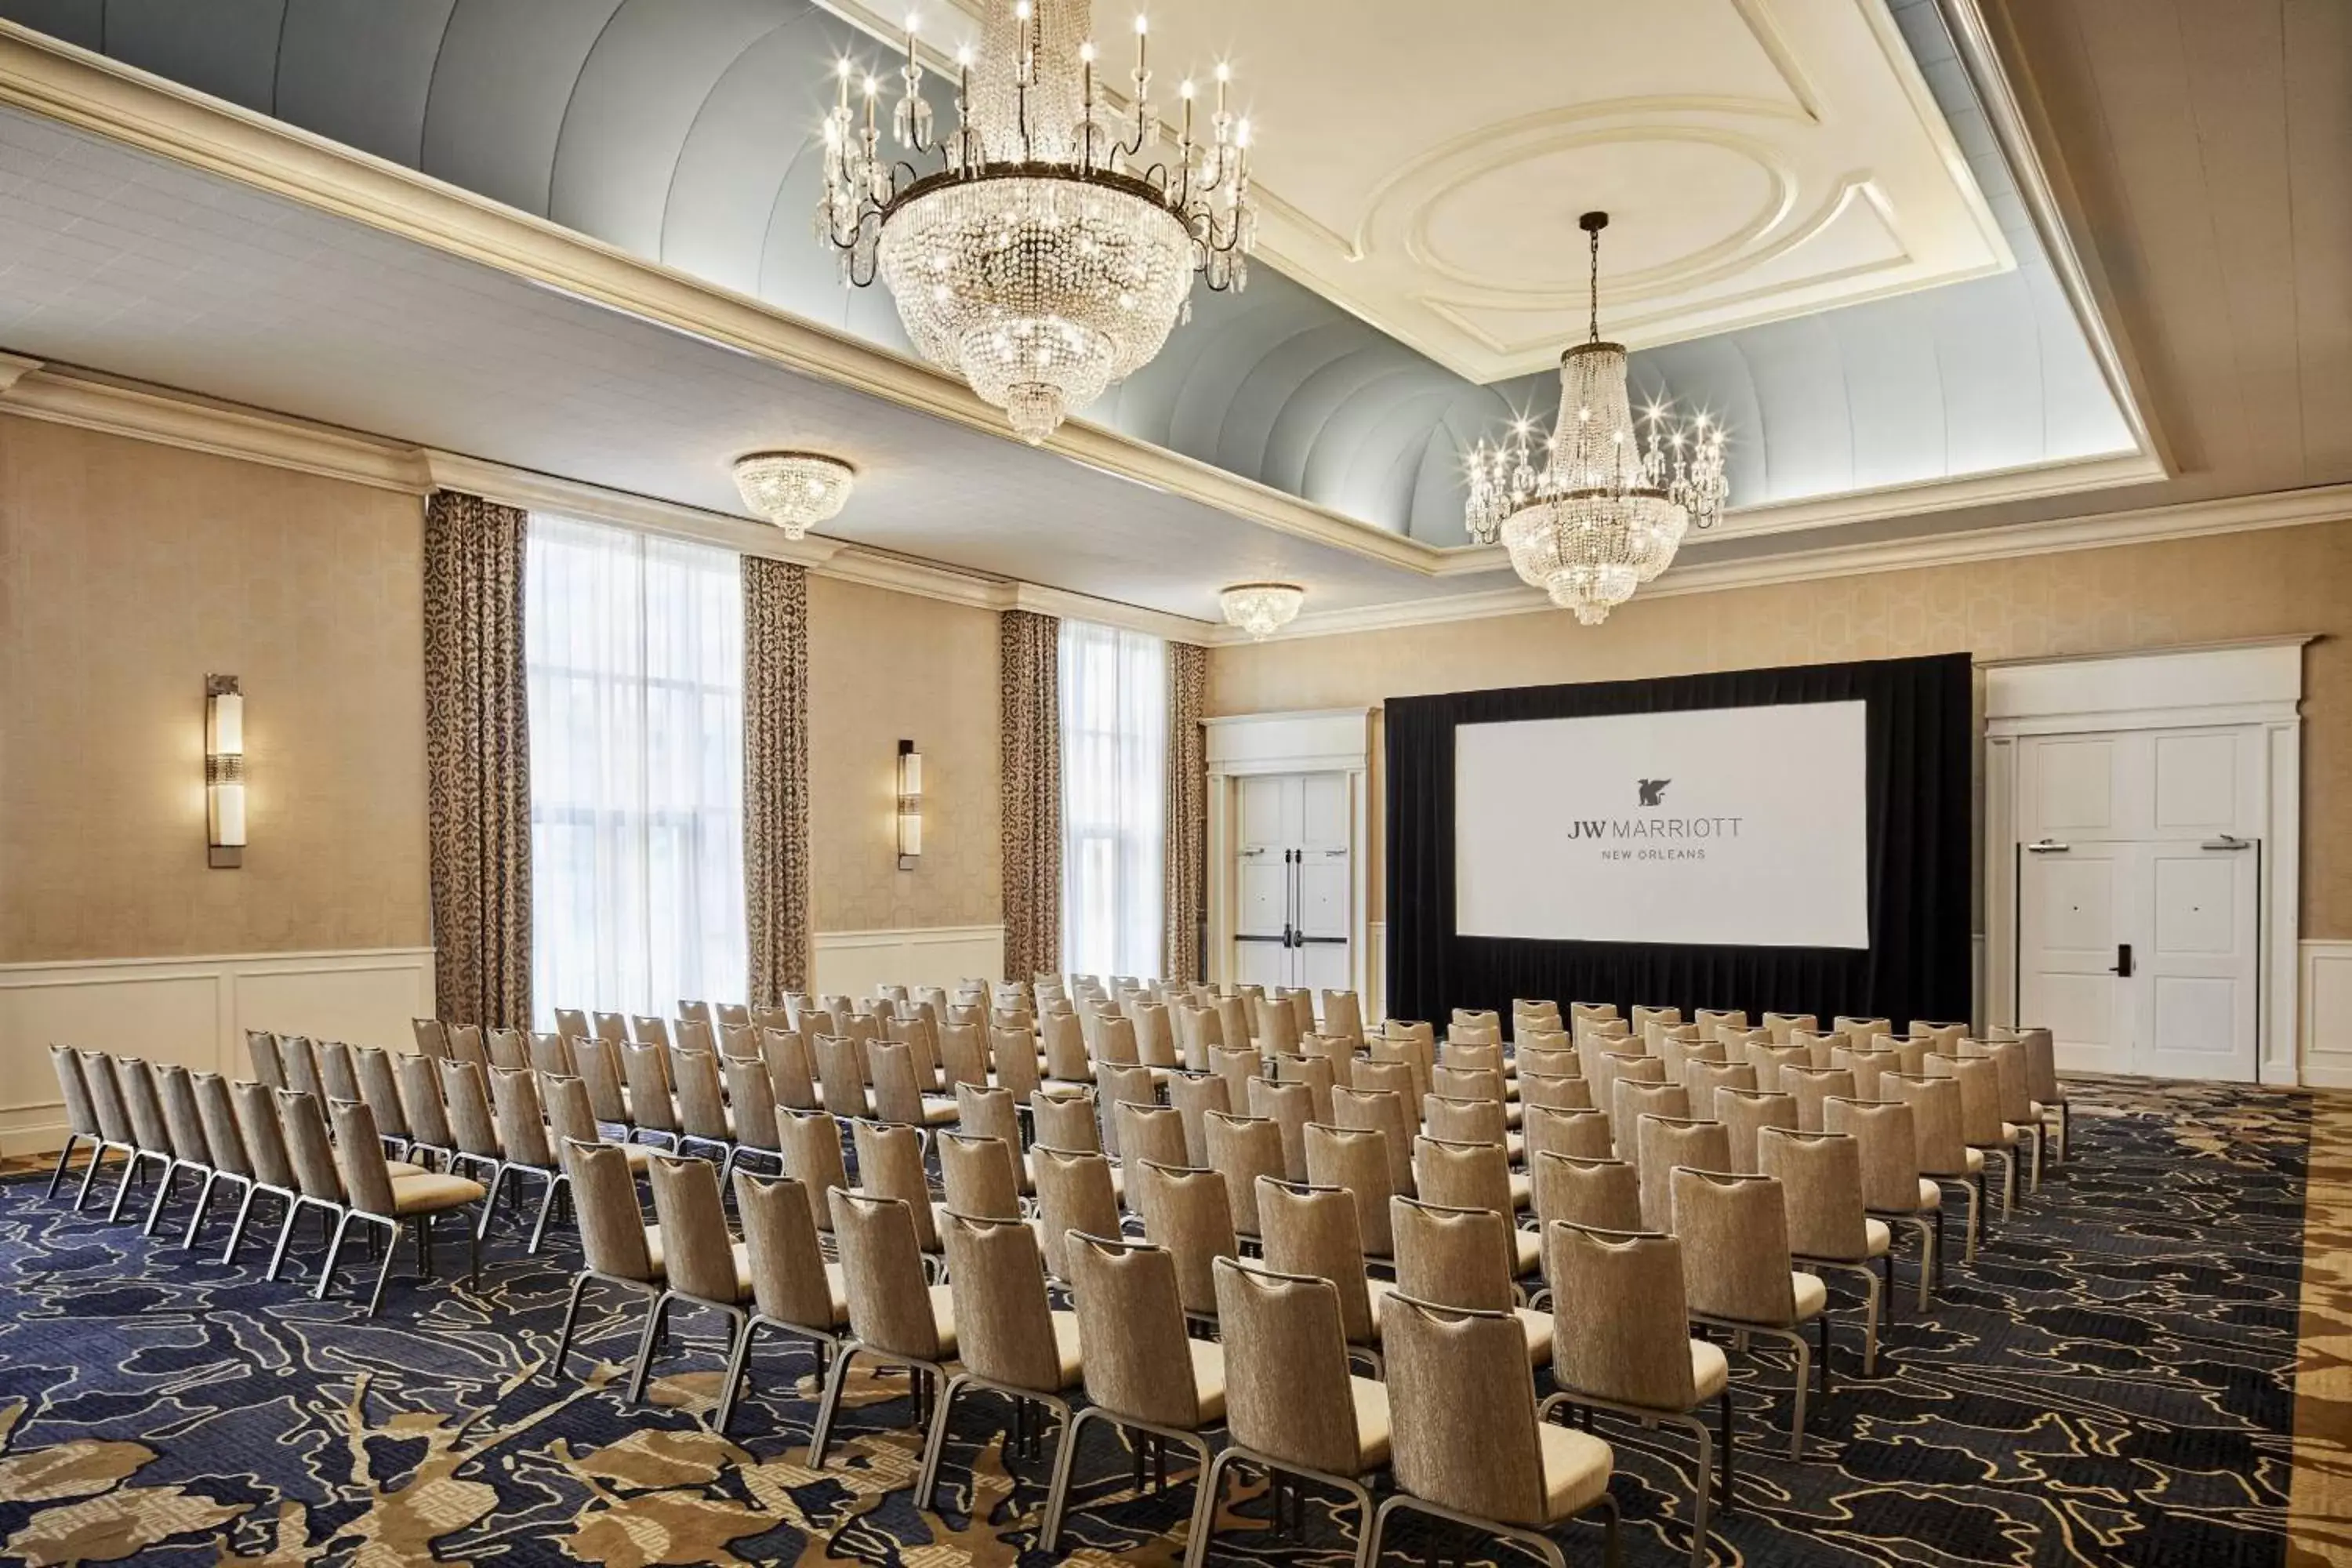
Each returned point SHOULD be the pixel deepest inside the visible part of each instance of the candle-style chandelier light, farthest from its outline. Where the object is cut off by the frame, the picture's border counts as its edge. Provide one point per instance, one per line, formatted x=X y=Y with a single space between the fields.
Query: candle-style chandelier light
x=1591 y=512
x=1048 y=245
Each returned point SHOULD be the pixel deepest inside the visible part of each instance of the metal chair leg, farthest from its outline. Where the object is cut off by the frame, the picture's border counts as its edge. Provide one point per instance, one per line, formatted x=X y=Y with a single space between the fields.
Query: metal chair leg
x=334 y=1252
x=63 y=1156
x=391 y=1251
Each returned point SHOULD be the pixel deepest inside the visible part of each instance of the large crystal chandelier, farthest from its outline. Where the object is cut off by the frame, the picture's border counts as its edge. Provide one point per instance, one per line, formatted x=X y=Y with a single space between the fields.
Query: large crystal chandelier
x=1050 y=247
x=1605 y=511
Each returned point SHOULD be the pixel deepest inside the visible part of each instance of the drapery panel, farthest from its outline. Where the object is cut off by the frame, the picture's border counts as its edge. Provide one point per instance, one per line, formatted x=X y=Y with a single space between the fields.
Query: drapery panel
x=1920 y=735
x=1030 y=774
x=775 y=776
x=1114 y=691
x=1185 y=855
x=637 y=666
x=478 y=758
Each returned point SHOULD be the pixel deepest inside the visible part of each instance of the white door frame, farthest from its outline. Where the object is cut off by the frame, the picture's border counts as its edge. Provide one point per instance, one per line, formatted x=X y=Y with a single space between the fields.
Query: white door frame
x=2257 y=685
x=1323 y=741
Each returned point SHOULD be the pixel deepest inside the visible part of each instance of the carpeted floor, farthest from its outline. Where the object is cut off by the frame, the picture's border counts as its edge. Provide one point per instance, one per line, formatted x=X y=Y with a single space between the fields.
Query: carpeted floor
x=2111 y=1383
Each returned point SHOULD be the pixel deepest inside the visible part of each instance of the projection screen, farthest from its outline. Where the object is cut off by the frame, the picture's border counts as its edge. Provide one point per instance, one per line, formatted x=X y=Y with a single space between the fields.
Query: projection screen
x=1737 y=826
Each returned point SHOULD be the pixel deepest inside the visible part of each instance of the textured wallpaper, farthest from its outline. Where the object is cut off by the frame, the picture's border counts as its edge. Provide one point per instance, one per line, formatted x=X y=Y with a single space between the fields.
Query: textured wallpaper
x=2274 y=581
x=130 y=570
x=885 y=665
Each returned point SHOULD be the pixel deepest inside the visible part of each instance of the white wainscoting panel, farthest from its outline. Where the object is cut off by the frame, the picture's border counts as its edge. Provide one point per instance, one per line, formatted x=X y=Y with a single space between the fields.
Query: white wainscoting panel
x=855 y=961
x=193 y=1012
x=2327 y=1014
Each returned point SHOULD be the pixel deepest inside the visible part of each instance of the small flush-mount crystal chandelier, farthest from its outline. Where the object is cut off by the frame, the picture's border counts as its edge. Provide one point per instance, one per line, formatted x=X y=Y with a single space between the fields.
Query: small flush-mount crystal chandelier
x=1260 y=609
x=794 y=490
x=1590 y=512
x=1050 y=247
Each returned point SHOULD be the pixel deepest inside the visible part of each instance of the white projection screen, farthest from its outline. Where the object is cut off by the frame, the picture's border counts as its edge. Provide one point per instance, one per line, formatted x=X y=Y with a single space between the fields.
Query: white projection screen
x=1722 y=826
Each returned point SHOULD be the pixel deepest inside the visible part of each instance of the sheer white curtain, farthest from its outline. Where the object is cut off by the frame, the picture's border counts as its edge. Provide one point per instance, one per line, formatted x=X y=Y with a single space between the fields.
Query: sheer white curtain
x=636 y=653
x=1114 y=798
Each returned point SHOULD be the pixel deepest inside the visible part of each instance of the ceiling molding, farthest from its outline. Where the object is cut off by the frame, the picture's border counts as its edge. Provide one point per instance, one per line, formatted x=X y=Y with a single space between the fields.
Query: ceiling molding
x=597 y=503
x=2241 y=514
x=59 y=82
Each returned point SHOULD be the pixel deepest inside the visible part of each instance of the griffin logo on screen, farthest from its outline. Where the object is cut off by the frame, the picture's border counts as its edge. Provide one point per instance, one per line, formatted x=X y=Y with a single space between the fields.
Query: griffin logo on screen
x=1654 y=791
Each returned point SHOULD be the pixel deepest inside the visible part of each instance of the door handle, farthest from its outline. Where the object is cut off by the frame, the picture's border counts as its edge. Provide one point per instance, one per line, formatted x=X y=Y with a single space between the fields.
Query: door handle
x=2123 y=960
x=2227 y=841
x=2046 y=846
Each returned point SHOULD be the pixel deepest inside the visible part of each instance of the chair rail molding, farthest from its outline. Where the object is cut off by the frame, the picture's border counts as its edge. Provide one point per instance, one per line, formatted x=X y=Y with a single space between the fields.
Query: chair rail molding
x=193 y=1012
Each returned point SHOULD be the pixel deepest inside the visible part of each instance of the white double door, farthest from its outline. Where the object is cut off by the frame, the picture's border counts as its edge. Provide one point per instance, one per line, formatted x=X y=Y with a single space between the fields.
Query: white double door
x=1292 y=877
x=2139 y=916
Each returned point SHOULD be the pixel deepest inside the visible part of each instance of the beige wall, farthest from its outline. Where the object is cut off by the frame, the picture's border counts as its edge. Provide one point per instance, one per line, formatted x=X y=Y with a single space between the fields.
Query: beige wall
x=130 y=570
x=2197 y=590
x=884 y=666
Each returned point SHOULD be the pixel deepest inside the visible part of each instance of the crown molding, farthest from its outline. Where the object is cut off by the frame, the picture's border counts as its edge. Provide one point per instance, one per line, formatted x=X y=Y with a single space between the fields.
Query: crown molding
x=2188 y=520
x=574 y=498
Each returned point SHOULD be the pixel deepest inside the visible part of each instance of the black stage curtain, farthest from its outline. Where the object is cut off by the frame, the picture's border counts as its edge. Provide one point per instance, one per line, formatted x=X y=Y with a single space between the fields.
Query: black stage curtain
x=1918 y=964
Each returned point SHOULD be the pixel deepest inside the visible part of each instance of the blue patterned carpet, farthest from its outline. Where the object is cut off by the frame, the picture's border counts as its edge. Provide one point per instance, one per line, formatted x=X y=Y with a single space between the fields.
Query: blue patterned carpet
x=2111 y=1383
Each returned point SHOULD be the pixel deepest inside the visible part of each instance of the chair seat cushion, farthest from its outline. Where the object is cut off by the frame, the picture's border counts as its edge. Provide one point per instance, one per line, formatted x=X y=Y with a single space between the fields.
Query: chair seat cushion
x=1711 y=1370
x=1536 y=1326
x=1931 y=1195
x=1371 y=1402
x=1576 y=1466
x=1976 y=1161
x=1066 y=1347
x=943 y=1320
x=1812 y=1296
x=1876 y=1238
x=938 y=1112
x=402 y=1168
x=1530 y=1252
x=1523 y=1191
x=1208 y=1379
x=836 y=1285
x=429 y=1191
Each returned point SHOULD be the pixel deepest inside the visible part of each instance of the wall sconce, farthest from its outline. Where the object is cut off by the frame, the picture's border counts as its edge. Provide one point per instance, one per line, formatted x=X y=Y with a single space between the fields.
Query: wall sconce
x=223 y=772
x=910 y=805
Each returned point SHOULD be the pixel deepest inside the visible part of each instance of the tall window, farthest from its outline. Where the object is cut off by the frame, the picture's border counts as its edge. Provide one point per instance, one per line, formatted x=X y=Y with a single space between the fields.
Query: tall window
x=1114 y=798
x=636 y=653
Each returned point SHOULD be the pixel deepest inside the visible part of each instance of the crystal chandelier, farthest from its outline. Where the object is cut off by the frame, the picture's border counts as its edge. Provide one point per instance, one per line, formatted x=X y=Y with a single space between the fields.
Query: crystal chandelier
x=1260 y=609
x=794 y=490
x=1050 y=247
x=1605 y=511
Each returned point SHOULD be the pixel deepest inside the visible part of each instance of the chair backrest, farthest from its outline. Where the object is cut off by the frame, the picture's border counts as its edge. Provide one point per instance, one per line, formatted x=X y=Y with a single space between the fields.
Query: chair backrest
x=1315 y=1073
x=1196 y=1029
x=1630 y=1100
x=105 y=1091
x=841 y=1075
x=963 y=1055
x=135 y=1081
x=2014 y=1077
x=264 y=1135
x=1286 y=1389
x=1821 y=1182
x=432 y=1040
x=1155 y=1037
x=337 y=1074
x=468 y=1102
x=1734 y=1236
x=1868 y=1066
x=1463 y=1121
x=379 y=1087
x=216 y=1116
x=984 y=1112
x=976 y=1175
x=811 y=1151
x=1809 y=1086
x=1744 y=1114
x=780 y=1238
x=1239 y=1066
x=890 y=1165
x=306 y=1145
x=1642 y=1018
x=301 y=1063
x=737 y=1041
x=697 y=1252
x=1886 y=1148
x=1074 y=1193
x=1466 y=1083
x=1462 y=1175
x=1937 y=1123
x=1860 y=1030
x=1381 y=1110
x=261 y=1049
x=358 y=1159
x=421 y=1102
x=1065 y=1042
x=1665 y=1142
x=1066 y=1120
x=1455 y=1258
x=897 y=1084
x=1004 y=1330
x=1121 y=1082
x=570 y=1118
x=571 y=1022
x=1014 y=1054
x=2040 y=1065
x=882 y=1273
x=181 y=1120
x=791 y=1076
x=647 y=1070
x=1185 y=1210
x=1356 y=1160
x=1779 y=1025
x=1587 y=1134
x=1193 y=1096
x=752 y=1096
x=1462 y=1412
x=1469 y=1057
x=649 y=1030
x=1277 y=1026
x=1343 y=1016
x=1628 y=1339
x=1314 y=1230
x=702 y=1099
x=522 y=1124
x=1153 y=1133
x=1233 y=1022
x=1603 y=1193
x=1131 y=1325
x=464 y=1046
x=505 y=1047
x=599 y=1063
x=1241 y=1149
x=1702 y=1078
x=1290 y=1107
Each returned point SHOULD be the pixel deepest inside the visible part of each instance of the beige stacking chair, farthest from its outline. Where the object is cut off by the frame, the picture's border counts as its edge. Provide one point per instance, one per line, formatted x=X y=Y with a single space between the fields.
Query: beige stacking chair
x=1466 y=1444
x=812 y=1158
x=1892 y=1190
x=318 y=1185
x=1008 y=1339
x=1357 y=1162
x=898 y=1096
x=1343 y=1016
x=301 y=1058
x=1313 y=1231
x=891 y=1164
x=474 y=1129
x=699 y=1093
x=1665 y=1142
x=1868 y=1068
x=184 y=1126
x=989 y=1112
x=1477 y=1176
x=375 y=1195
x=264 y=1145
x=1944 y=1155
x=793 y=1289
x=81 y=1122
x=1186 y=1211
x=380 y=1089
x=1066 y=1120
x=1781 y=1026
x=1627 y=1348
x=1196 y=1030
x=1074 y=1193
x=1470 y=1121
x=1630 y=1100
x=1316 y=1073
x=1142 y=1372
x=1290 y=1107
x=1065 y=1044
x=2042 y=1083
x=1382 y=1111
x=1241 y=1149
x=600 y=1072
x=525 y=1149
x=963 y=1056
x=1150 y=1134
x=123 y=1091
x=2019 y=1109
x=1981 y=1128
x=1811 y=1087
x=841 y=1076
x=702 y=1264
x=1745 y=1114
x=1738 y=1273
x=1292 y=1409
x=1821 y=1182
x=1193 y=1096
x=751 y=1106
x=791 y=1069
x=1585 y=1133
x=1704 y=1079
x=1454 y=1258
x=216 y=1111
x=895 y=1316
x=976 y=1177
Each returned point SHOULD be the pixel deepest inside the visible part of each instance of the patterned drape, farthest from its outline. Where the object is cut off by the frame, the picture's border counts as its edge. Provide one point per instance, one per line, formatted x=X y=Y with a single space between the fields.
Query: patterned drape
x=1029 y=651
x=478 y=758
x=775 y=776
x=1185 y=858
